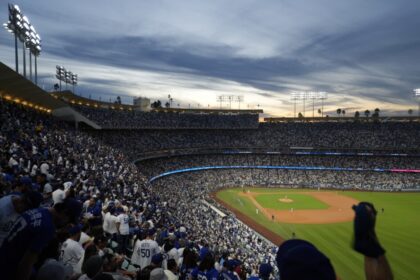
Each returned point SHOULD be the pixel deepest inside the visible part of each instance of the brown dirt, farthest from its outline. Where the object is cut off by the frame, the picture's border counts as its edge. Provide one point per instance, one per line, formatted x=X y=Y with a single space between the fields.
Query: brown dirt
x=339 y=209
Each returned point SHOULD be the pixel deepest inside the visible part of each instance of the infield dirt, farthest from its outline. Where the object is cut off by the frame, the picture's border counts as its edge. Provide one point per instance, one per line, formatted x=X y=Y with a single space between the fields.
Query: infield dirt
x=339 y=209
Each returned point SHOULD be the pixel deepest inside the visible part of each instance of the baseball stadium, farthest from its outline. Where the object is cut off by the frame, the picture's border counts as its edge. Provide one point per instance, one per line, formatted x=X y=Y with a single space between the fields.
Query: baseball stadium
x=97 y=182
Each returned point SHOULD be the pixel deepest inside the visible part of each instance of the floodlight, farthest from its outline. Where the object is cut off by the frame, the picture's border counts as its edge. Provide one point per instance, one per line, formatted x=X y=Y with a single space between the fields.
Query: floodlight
x=16 y=8
x=417 y=92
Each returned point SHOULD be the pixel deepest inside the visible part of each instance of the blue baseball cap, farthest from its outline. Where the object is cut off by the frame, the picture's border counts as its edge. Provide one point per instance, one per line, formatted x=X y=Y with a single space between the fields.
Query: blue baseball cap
x=73 y=209
x=299 y=259
x=33 y=199
x=265 y=270
x=75 y=229
x=157 y=259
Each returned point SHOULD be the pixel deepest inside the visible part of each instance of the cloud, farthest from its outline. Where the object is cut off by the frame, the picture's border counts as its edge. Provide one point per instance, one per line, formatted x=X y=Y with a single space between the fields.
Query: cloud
x=361 y=52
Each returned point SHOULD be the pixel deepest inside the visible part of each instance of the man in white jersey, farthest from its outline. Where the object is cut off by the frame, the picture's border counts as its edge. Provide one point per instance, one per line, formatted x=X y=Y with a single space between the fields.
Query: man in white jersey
x=144 y=250
x=123 y=231
x=71 y=251
x=110 y=223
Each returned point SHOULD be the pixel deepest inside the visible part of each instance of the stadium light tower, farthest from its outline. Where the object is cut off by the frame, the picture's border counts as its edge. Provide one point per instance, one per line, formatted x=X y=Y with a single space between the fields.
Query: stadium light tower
x=417 y=95
x=322 y=95
x=74 y=81
x=20 y=26
x=65 y=76
x=303 y=95
x=299 y=95
x=230 y=98
x=14 y=25
x=294 y=97
x=60 y=74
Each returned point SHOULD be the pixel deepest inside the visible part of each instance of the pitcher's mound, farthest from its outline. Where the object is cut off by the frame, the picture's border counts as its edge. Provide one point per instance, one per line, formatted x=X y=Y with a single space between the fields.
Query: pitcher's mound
x=286 y=200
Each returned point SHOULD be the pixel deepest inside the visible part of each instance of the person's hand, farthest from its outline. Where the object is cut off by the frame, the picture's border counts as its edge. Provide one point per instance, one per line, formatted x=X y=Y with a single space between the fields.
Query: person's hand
x=365 y=240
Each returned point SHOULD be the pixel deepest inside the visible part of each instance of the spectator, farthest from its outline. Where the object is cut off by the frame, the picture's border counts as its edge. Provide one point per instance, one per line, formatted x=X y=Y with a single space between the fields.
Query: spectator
x=123 y=230
x=12 y=206
x=172 y=271
x=30 y=235
x=144 y=250
x=71 y=251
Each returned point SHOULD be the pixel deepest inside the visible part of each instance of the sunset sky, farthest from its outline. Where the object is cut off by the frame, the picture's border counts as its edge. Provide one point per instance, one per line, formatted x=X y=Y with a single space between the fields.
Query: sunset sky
x=364 y=54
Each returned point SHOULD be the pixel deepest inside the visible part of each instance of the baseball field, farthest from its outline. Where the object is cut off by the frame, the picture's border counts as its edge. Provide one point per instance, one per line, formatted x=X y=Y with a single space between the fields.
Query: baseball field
x=325 y=219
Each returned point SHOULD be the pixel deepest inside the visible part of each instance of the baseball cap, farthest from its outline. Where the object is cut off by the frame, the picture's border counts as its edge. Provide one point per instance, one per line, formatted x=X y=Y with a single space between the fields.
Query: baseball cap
x=157 y=259
x=33 y=199
x=151 y=232
x=93 y=266
x=299 y=259
x=158 y=274
x=53 y=269
x=25 y=180
x=75 y=229
x=72 y=208
x=231 y=264
x=265 y=270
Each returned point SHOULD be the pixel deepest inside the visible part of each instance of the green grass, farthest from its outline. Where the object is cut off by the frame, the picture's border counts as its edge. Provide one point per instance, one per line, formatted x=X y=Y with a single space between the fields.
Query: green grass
x=300 y=201
x=398 y=229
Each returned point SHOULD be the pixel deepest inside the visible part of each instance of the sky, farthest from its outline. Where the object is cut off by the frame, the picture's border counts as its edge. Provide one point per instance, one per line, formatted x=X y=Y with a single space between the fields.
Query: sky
x=364 y=53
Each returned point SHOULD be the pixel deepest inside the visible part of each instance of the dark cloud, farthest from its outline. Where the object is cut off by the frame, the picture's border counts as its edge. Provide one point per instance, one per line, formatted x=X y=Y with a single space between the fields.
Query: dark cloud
x=152 y=55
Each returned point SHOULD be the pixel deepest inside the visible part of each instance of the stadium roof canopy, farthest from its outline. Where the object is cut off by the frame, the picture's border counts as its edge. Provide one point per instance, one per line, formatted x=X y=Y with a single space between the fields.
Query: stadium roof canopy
x=16 y=87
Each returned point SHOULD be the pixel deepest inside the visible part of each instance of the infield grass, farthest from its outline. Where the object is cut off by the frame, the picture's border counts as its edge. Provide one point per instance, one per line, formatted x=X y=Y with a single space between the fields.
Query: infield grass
x=398 y=229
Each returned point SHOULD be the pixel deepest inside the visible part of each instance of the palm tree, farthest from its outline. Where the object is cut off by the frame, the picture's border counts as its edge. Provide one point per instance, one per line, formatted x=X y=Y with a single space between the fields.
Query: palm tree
x=367 y=113
x=410 y=112
x=376 y=113
x=319 y=111
x=343 y=112
x=300 y=115
x=356 y=114
x=338 y=111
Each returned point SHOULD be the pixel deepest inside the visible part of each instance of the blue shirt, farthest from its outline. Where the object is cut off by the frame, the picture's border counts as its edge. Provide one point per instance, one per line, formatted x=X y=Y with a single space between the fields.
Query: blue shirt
x=32 y=231
x=229 y=275
x=211 y=274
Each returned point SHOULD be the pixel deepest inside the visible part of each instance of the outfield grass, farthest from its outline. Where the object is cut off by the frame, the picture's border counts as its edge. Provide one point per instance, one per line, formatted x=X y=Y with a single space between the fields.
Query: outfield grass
x=398 y=229
x=300 y=201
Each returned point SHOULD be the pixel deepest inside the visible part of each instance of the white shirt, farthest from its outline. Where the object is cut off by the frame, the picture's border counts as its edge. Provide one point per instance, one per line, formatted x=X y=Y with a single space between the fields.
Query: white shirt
x=124 y=224
x=58 y=196
x=170 y=275
x=84 y=238
x=110 y=223
x=12 y=162
x=44 y=168
x=72 y=254
x=172 y=254
x=144 y=251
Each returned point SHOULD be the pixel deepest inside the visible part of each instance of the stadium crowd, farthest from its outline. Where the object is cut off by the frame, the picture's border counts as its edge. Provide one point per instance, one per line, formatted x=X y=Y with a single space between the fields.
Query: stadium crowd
x=72 y=207
x=51 y=174
x=156 y=166
x=117 y=119
x=340 y=136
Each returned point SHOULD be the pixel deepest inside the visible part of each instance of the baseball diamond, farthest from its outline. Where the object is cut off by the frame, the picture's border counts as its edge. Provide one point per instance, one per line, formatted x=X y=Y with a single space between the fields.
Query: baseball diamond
x=333 y=236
